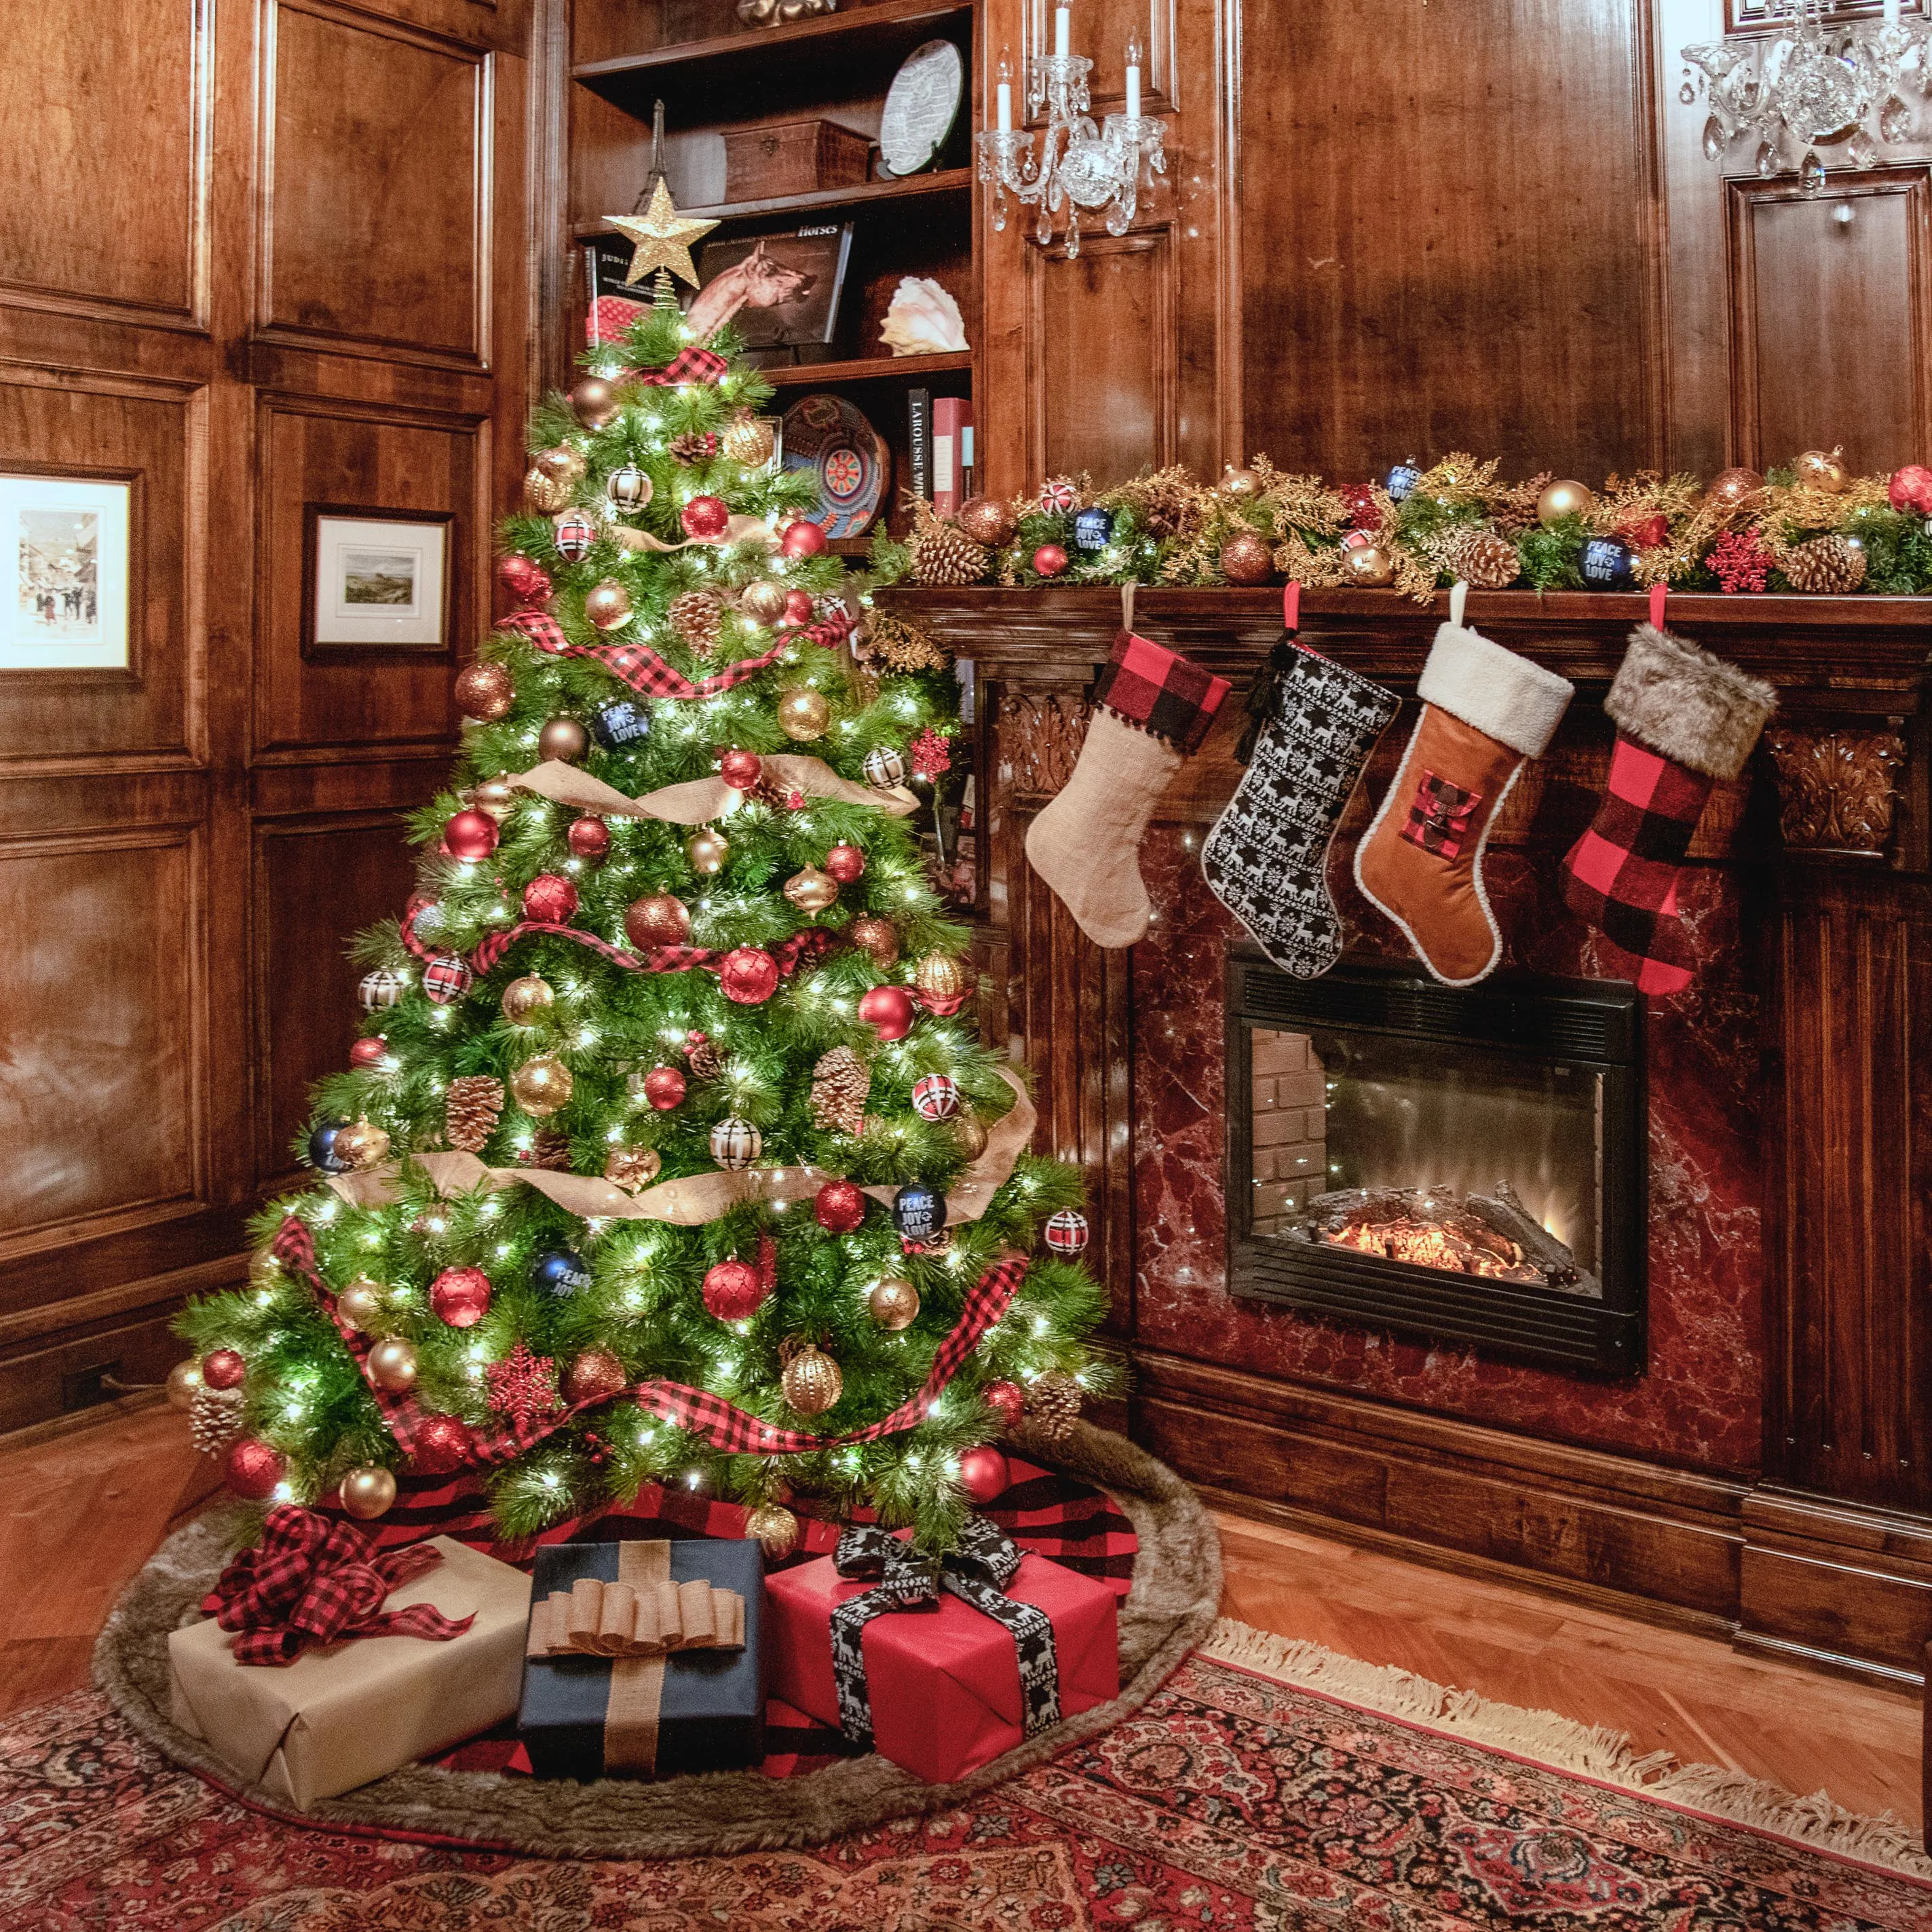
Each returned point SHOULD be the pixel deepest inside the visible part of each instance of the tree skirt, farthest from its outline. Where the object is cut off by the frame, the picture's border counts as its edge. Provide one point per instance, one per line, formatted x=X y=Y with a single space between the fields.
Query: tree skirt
x=1266 y=1787
x=1171 y=1604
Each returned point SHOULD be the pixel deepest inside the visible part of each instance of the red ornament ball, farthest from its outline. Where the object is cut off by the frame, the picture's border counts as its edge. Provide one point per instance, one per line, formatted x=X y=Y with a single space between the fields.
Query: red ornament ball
x=798 y=606
x=803 y=539
x=732 y=1291
x=223 y=1369
x=845 y=863
x=366 y=1051
x=471 y=834
x=706 y=518
x=890 y=1011
x=1007 y=1400
x=740 y=770
x=983 y=1473
x=1049 y=560
x=549 y=899
x=460 y=1296
x=524 y=580
x=841 y=1206
x=589 y=837
x=749 y=975
x=441 y=1445
x=254 y=1469
x=664 y=1088
x=1911 y=489
x=662 y=919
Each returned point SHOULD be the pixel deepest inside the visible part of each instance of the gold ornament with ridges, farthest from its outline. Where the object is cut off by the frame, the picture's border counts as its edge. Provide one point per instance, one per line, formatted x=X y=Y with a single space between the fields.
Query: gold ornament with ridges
x=747 y=441
x=361 y=1145
x=1564 y=499
x=893 y=1303
x=392 y=1364
x=707 y=852
x=542 y=1085
x=941 y=975
x=812 y=1382
x=774 y=1530
x=544 y=495
x=803 y=713
x=527 y=999
x=763 y=601
x=812 y=891
x=363 y=1305
x=368 y=1492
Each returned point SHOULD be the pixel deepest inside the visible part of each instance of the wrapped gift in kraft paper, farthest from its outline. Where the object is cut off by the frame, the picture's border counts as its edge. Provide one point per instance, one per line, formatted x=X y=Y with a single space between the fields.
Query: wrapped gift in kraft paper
x=941 y=1665
x=310 y=1717
x=645 y=1659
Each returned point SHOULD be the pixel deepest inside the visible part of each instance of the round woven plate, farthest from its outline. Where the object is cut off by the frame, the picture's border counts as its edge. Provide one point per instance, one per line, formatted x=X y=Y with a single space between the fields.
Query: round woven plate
x=825 y=434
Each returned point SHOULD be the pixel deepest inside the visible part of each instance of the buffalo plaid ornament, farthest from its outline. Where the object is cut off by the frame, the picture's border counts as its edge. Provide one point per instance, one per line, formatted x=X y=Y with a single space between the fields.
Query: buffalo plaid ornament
x=1685 y=721
x=446 y=979
x=1152 y=708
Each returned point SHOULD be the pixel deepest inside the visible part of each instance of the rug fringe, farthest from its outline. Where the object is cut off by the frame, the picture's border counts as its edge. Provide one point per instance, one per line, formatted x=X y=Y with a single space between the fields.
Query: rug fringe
x=1564 y=1745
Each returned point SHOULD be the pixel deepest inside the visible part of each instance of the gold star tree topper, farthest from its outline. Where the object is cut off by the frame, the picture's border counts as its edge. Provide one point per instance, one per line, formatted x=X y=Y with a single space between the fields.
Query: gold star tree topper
x=661 y=239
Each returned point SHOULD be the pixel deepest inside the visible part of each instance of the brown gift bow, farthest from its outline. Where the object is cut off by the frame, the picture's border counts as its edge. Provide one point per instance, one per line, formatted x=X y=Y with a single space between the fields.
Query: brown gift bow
x=637 y=1622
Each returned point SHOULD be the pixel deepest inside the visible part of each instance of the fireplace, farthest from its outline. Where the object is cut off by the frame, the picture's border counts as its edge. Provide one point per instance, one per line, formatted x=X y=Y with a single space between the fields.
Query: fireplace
x=1459 y=1164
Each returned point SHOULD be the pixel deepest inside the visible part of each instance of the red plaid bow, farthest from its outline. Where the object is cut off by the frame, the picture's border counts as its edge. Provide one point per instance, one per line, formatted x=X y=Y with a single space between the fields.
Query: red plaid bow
x=688 y=365
x=638 y=666
x=312 y=1581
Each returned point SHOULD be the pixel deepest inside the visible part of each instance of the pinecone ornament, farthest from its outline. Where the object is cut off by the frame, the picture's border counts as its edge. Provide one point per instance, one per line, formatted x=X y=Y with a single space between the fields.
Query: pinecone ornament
x=474 y=1104
x=840 y=1083
x=1825 y=566
x=1054 y=1403
x=695 y=446
x=1484 y=560
x=551 y=1148
x=697 y=618
x=702 y=1057
x=943 y=556
x=215 y=1418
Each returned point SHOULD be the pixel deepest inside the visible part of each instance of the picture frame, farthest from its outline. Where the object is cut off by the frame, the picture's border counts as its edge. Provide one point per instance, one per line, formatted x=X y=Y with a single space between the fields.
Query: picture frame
x=66 y=541
x=375 y=580
x=776 y=290
x=1759 y=16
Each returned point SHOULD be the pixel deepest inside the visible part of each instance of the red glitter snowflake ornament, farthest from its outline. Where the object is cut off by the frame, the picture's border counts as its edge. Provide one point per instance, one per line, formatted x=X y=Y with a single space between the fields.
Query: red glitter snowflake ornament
x=1739 y=561
x=523 y=1386
x=931 y=754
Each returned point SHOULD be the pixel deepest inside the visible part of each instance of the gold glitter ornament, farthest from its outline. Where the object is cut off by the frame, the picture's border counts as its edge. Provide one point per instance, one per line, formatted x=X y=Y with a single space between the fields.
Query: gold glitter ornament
x=527 y=999
x=542 y=1085
x=811 y=1380
x=803 y=713
x=368 y=1492
x=941 y=975
x=706 y=851
x=987 y=520
x=893 y=1303
x=774 y=1529
x=1734 y=489
x=878 y=938
x=812 y=891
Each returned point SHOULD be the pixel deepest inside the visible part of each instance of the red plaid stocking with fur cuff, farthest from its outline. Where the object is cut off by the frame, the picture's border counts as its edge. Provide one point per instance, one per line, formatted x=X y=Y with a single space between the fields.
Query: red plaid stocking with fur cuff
x=1684 y=720
x=1152 y=708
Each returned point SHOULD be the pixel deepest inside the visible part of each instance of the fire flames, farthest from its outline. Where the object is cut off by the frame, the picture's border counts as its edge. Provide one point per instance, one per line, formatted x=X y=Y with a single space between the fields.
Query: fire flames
x=1422 y=1246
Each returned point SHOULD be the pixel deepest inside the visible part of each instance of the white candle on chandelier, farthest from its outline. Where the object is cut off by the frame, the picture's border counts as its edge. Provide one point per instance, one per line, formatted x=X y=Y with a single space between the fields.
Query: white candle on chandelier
x=1892 y=12
x=1134 y=78
x=1063 y=32
x=1005 y=92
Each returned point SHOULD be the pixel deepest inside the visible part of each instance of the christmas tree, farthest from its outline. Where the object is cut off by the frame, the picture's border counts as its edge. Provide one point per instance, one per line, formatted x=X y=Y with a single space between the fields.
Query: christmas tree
x=666 y=1153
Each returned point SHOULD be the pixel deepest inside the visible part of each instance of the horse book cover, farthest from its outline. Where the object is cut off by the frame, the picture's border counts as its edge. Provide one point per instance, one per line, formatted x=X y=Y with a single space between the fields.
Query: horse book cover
x=777 y=291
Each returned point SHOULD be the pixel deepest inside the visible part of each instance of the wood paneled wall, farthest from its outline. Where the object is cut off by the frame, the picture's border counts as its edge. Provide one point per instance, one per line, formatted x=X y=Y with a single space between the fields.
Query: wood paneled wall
x=254 y=257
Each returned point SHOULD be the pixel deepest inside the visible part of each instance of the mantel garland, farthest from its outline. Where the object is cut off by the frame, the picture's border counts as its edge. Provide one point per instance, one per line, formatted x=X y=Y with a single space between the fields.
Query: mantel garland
x=1810 y=527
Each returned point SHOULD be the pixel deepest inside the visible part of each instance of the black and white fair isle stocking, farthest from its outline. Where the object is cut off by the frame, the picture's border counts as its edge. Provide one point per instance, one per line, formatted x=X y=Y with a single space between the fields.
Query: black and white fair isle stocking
x=1267 y=859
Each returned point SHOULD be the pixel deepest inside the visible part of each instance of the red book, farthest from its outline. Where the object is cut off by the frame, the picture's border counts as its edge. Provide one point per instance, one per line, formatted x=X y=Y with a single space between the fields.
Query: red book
x=951 y=431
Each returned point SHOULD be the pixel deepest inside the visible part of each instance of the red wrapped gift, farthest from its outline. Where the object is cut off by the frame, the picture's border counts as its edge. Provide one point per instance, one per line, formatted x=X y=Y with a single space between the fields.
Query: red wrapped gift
x=939 y=1665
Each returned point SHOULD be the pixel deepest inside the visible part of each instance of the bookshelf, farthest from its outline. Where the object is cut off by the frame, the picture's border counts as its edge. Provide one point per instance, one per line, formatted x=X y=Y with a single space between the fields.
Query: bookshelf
x=716 y=74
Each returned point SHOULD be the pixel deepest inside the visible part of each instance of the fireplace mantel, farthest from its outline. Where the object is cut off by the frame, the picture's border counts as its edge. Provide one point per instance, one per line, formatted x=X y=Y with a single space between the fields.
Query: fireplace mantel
x=1771 y=1473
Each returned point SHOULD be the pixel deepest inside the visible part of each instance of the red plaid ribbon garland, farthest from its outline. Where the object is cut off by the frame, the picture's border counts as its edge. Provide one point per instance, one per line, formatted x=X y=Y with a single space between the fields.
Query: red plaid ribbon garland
x=638 y=666
x=311 y=1580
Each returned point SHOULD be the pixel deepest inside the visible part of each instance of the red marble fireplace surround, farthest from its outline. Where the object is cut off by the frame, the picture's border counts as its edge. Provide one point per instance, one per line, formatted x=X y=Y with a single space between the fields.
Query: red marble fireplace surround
x=1770 y=1470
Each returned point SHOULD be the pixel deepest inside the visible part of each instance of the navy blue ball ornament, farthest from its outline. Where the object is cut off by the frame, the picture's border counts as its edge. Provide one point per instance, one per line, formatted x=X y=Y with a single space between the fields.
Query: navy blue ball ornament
x=1607 y=563
x=1402 y=480
x=622 y=723
x=321 y=1147
x=918 y=1212
x=1093 y=530
x=561 y=1273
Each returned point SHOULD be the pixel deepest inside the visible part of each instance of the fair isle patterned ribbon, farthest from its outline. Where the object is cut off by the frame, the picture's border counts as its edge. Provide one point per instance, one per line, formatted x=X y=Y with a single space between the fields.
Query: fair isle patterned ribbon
x=697 y=1411
x=638 y=666
x=977 y=1571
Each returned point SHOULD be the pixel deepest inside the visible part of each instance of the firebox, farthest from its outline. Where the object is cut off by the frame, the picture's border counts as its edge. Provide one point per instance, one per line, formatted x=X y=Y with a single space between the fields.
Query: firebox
x=1460 y=1164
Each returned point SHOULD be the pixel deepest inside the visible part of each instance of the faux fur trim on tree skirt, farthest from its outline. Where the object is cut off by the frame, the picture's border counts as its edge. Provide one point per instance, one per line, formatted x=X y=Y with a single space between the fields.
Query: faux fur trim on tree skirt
x=1176 y=1595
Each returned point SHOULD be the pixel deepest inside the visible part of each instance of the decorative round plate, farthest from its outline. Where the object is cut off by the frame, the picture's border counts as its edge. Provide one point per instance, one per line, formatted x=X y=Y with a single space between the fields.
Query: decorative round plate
x=922 y=104
x=827 y=435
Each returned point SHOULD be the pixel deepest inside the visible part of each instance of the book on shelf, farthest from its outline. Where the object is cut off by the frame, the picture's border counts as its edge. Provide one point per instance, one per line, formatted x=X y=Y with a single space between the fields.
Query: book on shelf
x=613 y=304
x=919 y=442
x=951 y=443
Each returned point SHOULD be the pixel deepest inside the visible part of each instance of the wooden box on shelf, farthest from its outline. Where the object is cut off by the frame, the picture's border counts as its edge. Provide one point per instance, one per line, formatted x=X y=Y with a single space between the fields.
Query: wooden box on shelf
x=793 y=157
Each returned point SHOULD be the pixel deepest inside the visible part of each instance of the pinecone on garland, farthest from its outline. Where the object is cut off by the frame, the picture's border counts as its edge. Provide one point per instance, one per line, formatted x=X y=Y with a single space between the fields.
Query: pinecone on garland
x=697 y=619
x=215 y=1418
x=1054 y=1403
x=943 y=556
x=840 y=1083
x=1825 y=566
x=695 y=446
x=1484 y=560
x=470 y=1114
x=551 y=1148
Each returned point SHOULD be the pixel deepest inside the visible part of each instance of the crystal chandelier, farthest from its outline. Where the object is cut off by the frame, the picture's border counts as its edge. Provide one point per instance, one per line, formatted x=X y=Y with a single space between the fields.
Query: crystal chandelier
x=1812 y=83
x=1080 y=166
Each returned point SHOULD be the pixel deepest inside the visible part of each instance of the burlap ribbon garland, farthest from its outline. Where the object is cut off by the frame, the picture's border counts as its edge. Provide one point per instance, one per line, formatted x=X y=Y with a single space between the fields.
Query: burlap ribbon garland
x=703 y=800
x=698 y=1199
x=737 y=529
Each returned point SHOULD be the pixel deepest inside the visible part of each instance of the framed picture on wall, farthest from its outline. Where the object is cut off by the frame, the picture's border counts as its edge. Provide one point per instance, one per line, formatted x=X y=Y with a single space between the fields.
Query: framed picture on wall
x=378 y=580
x=65 y=549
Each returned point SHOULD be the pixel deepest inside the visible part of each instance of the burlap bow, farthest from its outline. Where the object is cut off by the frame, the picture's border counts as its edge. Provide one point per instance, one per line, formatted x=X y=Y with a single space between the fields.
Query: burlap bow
x=311 y=1580
x=976 y=1570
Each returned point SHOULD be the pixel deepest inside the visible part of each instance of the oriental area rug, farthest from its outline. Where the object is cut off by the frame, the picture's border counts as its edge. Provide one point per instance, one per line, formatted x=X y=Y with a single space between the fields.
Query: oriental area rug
x=1261 y=1787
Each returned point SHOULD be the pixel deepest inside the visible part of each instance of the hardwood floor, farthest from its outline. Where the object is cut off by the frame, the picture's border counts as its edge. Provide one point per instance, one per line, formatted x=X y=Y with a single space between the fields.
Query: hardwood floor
x=80 y=1513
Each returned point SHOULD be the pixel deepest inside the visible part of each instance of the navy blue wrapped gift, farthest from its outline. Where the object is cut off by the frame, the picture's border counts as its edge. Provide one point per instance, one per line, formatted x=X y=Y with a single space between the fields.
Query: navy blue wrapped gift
x=645 y=1659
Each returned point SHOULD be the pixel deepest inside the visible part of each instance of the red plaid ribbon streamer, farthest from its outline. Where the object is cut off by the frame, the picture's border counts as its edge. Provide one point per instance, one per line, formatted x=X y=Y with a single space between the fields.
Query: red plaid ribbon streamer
x=688 y=365
x=638 y=665
x=312 y=1580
